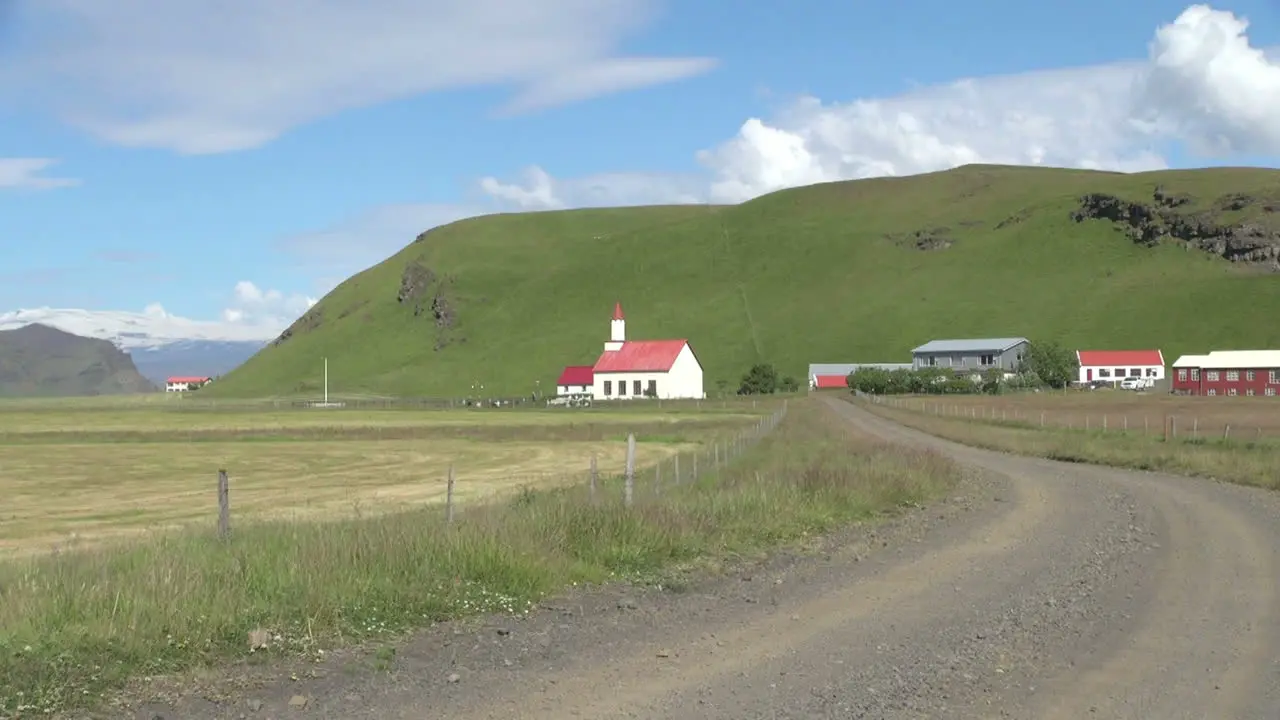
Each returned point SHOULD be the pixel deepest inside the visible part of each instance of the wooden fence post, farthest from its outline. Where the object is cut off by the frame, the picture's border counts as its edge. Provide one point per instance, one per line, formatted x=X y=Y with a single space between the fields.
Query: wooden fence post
x=224 y=506
x=631 y=470
x=448 y=496
x=595 y=476
x=676 y=469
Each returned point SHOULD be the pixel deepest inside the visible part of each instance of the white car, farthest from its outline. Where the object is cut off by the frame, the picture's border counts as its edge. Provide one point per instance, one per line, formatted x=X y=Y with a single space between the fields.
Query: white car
x=1133 y=383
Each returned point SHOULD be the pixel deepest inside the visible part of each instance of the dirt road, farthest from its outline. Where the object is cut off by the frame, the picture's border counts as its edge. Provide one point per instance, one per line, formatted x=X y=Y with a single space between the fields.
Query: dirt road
x=1042 y=590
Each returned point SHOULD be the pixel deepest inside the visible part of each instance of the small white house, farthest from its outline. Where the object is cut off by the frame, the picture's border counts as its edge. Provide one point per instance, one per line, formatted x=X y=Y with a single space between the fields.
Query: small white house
x=1114 y=366
x=664 y=369
x=185 y=383
x=575 y=380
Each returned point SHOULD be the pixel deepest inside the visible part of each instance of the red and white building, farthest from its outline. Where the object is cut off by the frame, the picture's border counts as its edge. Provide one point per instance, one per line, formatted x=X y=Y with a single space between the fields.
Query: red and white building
x=575 y=380
x=665 y=369
x=184 y=383
x=1116 y=365
x=1228 y=372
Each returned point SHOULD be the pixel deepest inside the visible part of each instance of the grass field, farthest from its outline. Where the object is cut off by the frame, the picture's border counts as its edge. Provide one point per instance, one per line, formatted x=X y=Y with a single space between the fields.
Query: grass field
x=74 y=474
x=757 y=273
x=1123 y=430
x=1245 y=418
x=75 y=626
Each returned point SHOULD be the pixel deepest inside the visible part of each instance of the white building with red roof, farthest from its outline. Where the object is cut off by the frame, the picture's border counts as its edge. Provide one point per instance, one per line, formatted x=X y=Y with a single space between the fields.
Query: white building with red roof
x=183 y=383
x=665 y=369
x=1116 y=365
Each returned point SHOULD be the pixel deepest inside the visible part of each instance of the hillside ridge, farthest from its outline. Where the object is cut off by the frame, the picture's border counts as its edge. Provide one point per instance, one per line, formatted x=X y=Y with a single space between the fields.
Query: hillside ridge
x=38 y=360
x=856 y=271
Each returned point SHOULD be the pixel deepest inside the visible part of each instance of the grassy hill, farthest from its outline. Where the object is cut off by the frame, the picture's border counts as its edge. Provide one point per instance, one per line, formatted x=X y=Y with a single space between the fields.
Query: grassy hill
x=38 y=360
x=849 y=271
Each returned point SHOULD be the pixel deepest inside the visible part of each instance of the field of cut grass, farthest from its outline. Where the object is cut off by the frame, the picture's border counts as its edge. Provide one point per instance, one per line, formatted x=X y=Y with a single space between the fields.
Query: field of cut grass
x=1007 y=259
x=1117 y=439
x=76 y=626
x=1245 y=418
x=82 y=475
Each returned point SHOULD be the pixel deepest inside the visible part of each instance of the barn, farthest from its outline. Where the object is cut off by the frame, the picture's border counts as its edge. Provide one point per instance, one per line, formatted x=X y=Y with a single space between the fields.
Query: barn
x=828 y=376
x=1228 y=372
x=575 y=380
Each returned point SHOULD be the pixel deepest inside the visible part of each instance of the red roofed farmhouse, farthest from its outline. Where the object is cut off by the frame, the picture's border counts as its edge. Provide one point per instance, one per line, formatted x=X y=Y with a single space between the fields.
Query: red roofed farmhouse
x=185 y=383
x=574 y=380
x=665 y=369
x=1116 y=365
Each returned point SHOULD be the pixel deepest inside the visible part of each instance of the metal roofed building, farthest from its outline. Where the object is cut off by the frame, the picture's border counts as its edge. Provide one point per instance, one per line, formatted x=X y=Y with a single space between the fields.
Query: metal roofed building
x=971 y=354
x=1228 y=372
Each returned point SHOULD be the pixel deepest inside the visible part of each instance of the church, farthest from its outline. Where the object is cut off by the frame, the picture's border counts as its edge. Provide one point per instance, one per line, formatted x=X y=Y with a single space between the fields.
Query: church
x=664 y=369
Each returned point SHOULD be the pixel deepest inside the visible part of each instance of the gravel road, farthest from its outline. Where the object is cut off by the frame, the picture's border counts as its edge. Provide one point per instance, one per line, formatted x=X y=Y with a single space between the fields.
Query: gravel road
x=1040 y=590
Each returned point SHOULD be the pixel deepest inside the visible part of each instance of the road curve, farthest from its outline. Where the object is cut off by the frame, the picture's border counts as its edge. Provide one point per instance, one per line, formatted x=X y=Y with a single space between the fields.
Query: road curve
x=1044 y=590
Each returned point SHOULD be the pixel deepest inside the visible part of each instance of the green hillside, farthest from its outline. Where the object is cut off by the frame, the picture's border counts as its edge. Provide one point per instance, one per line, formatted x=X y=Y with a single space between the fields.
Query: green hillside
x=838 y=272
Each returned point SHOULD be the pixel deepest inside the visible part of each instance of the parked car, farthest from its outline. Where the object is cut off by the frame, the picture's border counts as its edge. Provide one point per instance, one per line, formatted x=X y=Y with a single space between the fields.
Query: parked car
x=1136 y=383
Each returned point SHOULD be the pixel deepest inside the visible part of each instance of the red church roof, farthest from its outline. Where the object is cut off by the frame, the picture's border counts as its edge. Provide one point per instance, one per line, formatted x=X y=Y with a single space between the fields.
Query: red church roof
x=576 y=375
x=1119 y=358
x=617 y=311
x=640 y=356
x=825 y=382
x=187 y=379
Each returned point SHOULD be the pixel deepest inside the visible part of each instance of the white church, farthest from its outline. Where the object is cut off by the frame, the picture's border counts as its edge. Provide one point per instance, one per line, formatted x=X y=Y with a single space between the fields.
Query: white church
x=664 y=369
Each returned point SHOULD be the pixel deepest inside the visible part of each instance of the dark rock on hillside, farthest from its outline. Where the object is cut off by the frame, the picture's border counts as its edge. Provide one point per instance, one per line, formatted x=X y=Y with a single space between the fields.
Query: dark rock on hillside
x=38 y=360
x=427 y=294
x=1251 y=242
x=938 y=238
x=309 y=321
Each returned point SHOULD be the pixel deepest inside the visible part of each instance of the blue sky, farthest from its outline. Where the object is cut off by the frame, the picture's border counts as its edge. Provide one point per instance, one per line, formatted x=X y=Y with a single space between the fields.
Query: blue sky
x=230 y=162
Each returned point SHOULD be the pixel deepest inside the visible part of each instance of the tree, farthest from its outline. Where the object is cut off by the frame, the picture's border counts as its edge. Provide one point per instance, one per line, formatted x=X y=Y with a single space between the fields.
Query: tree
x=788 y=384
x=1055 y=365
x=761 y=379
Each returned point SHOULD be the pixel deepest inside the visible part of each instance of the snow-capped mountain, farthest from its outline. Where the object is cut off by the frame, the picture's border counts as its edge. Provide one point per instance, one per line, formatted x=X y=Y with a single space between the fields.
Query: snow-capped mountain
x=160 y=344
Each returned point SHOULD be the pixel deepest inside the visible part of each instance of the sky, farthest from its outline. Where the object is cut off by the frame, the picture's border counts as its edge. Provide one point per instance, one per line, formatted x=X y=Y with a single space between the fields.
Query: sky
x=213 y=167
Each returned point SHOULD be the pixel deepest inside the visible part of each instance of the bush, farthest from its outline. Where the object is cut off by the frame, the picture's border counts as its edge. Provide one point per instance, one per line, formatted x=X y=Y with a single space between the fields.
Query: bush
x=933 y=381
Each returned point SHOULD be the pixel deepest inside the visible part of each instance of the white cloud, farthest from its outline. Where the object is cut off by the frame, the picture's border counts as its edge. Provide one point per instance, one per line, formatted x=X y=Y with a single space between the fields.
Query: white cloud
x=1202 y=85
x=538 y=190
x=1206 y=84
x=252 y=314
x=27 y=173
x=201 y=77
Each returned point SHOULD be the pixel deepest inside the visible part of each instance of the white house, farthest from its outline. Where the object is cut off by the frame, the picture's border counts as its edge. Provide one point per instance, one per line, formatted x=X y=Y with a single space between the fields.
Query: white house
x=576 y=379
x=665 y=369
x=184 y=383
x=1116 y=365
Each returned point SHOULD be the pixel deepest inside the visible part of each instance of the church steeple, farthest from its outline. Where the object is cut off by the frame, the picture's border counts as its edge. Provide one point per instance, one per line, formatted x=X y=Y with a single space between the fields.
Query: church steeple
x=617 y=329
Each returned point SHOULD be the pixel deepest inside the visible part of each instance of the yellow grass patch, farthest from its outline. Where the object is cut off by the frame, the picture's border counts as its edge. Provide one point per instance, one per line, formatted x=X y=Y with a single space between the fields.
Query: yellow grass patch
x=86 y=493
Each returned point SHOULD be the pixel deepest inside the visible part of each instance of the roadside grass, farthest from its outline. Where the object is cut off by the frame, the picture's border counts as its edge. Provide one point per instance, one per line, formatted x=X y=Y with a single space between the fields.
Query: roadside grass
x=75 y=626
x=1244 y=462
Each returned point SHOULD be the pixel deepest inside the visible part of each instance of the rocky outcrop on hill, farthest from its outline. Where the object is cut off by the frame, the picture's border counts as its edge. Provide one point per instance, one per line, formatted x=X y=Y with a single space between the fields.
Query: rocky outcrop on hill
x=427 y=294
x=38 y=360
x=1166 y=219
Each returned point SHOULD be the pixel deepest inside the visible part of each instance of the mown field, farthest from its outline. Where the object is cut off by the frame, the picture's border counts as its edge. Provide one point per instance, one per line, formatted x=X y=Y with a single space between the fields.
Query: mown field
x=79 y=628
x=75 y=473
x=1245 y=418
x=1229 y=439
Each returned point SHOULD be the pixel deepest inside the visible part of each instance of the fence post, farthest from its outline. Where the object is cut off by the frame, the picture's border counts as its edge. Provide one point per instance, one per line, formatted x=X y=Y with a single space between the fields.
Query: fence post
x=224 y=506
x=717 y=455
x=1226 y=432
x=631 y=470
x=595 y=476
x=657 y=476
x=448 y=496
x=676 y=469
x=694 y=477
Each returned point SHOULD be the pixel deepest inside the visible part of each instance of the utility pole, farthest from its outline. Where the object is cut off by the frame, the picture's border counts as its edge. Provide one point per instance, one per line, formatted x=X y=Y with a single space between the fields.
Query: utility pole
x=326 y=381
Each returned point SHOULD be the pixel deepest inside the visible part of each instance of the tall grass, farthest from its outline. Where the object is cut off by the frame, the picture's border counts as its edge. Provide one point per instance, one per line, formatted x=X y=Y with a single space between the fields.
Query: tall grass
x=74 y=626
x=1242 y=462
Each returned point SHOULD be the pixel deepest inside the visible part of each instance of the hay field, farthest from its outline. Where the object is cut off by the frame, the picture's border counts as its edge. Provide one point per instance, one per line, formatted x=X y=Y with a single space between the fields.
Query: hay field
x=78 y=477
x=1207 y=417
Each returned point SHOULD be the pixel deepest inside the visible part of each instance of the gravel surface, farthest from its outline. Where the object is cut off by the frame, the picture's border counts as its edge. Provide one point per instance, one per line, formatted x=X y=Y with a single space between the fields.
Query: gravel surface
x=1039 y=590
